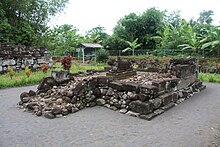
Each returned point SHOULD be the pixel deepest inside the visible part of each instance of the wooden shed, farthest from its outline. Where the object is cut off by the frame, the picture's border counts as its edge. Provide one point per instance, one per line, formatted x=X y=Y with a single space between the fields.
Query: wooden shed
x=87 y=50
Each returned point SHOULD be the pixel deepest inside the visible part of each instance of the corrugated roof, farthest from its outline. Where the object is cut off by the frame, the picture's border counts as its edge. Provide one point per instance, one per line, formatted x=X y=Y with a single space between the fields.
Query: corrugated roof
x=90 y=45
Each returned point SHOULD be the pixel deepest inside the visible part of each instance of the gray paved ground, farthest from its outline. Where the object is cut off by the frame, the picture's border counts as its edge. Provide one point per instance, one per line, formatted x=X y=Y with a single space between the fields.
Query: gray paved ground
x=193 y=123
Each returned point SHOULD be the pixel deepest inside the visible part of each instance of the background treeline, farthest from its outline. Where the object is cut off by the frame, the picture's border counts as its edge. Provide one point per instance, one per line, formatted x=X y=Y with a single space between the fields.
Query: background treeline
x=153 y=31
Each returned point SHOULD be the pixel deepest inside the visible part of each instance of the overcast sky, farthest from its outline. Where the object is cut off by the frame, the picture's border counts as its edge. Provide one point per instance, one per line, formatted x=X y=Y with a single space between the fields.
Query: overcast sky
x=86 y=14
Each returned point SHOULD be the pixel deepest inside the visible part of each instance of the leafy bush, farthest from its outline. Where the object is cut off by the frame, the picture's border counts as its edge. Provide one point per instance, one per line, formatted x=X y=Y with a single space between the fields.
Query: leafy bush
x=102 y=55
x=44 y=67
x=66 y=62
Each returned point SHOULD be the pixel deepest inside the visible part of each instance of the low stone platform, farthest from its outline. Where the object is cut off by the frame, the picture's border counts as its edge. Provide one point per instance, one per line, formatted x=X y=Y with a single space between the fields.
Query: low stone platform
x=143 y=94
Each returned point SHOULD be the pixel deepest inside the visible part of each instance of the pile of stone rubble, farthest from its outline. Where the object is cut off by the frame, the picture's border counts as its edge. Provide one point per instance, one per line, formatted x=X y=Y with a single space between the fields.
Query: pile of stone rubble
x=143 y=95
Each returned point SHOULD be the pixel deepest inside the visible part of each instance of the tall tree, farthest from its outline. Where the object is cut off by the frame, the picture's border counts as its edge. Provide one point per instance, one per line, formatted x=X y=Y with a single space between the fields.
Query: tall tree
x=205 y=17
x=127 y=27
x=28 y=18
x=96 y=35
x=173 y=19
x=142 y=26
x=62 y=39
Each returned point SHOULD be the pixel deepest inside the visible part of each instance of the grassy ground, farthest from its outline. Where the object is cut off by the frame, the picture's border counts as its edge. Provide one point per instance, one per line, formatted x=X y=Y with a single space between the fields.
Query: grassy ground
x=207 y=77
x=20 y=78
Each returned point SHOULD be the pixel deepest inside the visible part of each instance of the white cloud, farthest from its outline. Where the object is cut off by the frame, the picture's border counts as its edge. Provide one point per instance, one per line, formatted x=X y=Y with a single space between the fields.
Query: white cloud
x=86 y=14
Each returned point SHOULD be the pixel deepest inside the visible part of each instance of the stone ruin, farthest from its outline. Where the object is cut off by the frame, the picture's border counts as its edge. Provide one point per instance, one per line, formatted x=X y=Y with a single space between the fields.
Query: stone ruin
x=140 y=94
x=18 y=57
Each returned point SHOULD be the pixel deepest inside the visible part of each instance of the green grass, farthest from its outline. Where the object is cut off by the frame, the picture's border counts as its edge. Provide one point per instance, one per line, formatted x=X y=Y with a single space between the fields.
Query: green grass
x=75 y=68
x=20 y=78
x=207 y=77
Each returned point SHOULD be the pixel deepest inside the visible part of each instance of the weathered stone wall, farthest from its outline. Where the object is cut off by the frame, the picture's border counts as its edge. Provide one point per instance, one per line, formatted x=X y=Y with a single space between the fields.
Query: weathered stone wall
x=19 y=57
x=144 y=95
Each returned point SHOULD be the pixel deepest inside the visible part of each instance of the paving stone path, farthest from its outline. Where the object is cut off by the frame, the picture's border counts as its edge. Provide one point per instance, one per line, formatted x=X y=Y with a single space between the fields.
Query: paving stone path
x=193 y=123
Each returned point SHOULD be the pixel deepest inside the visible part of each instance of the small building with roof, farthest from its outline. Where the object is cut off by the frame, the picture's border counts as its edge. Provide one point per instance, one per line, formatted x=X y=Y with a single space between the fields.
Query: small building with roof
x=87 y=50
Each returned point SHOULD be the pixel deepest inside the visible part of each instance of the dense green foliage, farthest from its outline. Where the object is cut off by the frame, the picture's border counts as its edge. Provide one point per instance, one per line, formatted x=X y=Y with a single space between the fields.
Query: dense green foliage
x=161 y=33
x=24 y=21
x=102 y=55
x=153 y=31
x=134 y=26
x=96 y=35
x=62 y=39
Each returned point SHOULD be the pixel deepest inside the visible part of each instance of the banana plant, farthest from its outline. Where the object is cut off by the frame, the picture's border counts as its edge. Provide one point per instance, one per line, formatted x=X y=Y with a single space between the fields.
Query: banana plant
x=215 y=43
x=194 y=41
x=132 y=45
x=163 y=38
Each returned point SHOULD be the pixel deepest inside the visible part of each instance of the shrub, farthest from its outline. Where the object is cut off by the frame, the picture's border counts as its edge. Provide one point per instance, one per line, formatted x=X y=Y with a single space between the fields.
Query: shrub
x=27 y=71
x=44 y=67
x=102 y=55
x=66 y=61
x=10 y=71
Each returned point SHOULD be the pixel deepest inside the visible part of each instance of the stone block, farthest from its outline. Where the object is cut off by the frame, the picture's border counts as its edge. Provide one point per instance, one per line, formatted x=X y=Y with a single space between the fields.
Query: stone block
x=93 y=82
x=183 y=71
x=198 y=84
x=168 y=98
x=161 y=85
x=141 y=107
x=78 y=88
x=185 y=82
x=130 y=95
x=61 y=77
x=148 y=116
x=46 y=84
x=130 y=87
x=100 y=102
x=97 y=92
x=174 y=82
x=157 y=102
x=149 y=90
x=189 y=61
x=158 y=111
x=102 y=81
x=143 y=97
x=167 y=107
x=116 y=85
